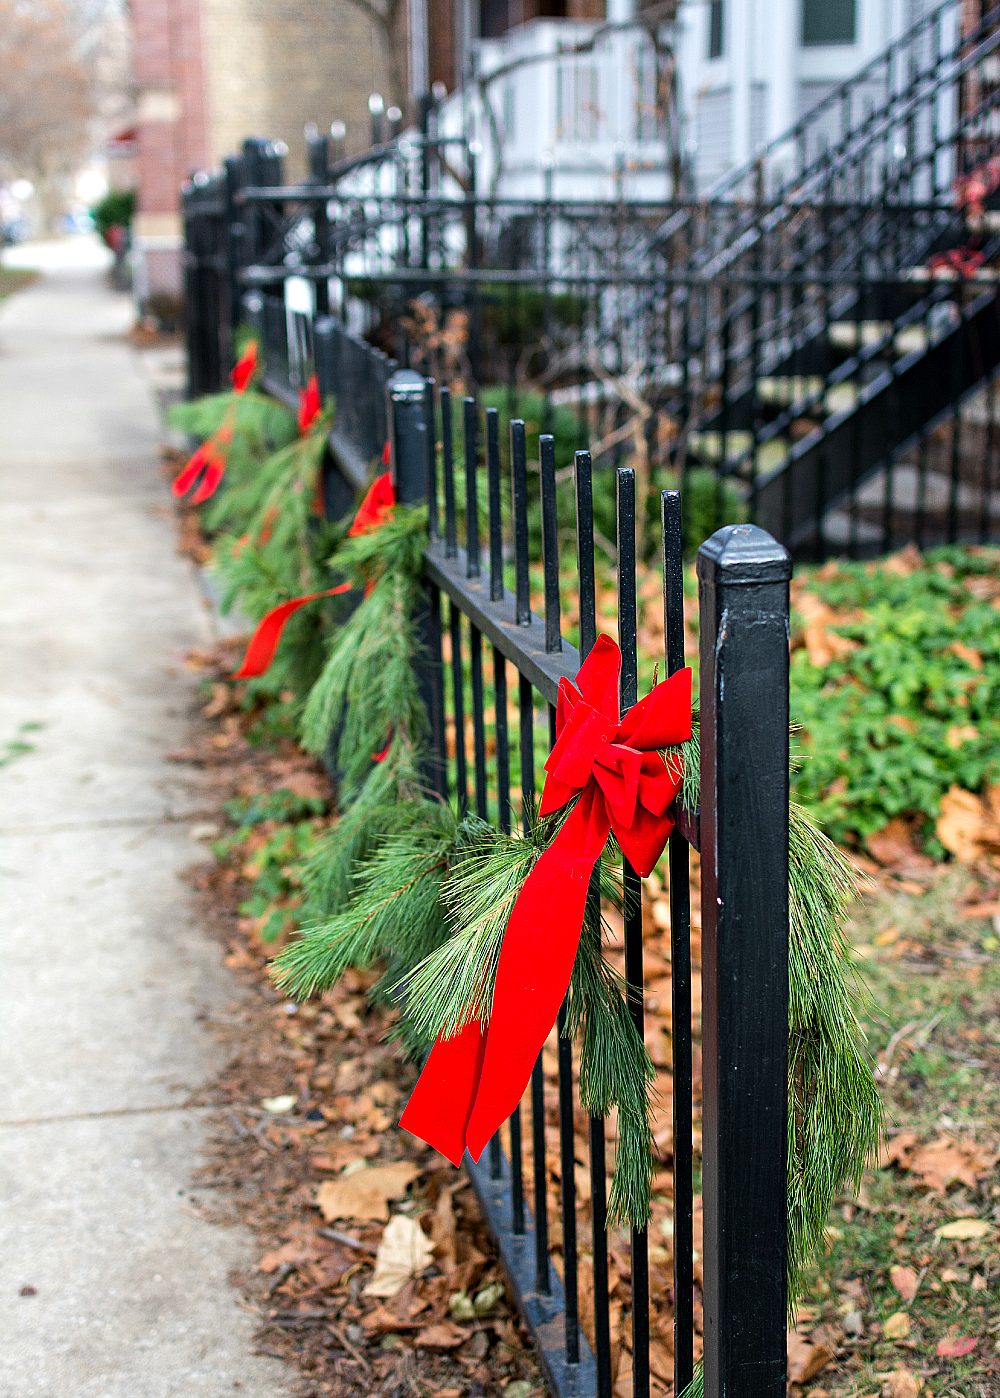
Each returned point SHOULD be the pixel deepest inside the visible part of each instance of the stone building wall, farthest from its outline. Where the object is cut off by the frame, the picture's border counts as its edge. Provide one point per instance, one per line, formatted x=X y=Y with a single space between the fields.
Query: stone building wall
x=274 y=65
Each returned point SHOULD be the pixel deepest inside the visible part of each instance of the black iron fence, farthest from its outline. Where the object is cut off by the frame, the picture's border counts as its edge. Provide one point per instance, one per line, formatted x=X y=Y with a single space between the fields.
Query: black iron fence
x=515 y=659
x=818 y=333
x=487 y=645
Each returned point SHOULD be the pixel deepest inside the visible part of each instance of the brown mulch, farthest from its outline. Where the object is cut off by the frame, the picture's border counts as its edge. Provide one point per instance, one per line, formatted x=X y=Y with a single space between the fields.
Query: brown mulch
x=267 y=1160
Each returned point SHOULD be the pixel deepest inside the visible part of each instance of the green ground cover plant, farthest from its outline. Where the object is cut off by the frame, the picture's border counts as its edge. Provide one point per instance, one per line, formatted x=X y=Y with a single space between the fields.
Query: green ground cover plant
x=896 y=685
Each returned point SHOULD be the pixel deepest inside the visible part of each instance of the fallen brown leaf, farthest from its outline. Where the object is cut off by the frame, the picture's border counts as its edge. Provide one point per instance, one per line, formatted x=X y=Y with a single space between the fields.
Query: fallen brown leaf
x=822 y=644
x=443 y=1336
x=898 y=1150
x=290 y=1252
x=805 y=1359
x=905 y=1280
x=365 y=1193
x=903 y=1384
x=961 y=824
x=946 y=1161
x=897 y=1327
x=404 y=1252
x=310 y=786
x=966 y=1228
x=893 y=847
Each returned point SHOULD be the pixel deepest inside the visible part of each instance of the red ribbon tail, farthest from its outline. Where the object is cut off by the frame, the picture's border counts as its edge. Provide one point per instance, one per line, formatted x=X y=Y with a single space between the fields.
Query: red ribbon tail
x=536 y=962
x=264 y=641
x=439 y=1109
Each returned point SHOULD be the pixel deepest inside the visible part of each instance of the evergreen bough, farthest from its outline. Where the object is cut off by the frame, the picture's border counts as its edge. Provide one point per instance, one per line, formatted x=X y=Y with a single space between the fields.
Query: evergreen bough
x=404 y=880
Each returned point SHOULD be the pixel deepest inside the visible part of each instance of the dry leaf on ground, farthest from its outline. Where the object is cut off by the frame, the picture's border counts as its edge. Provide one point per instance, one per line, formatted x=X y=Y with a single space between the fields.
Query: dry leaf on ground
x=893 y=847
x=822 y=644
x=405 y=1250
x=955 y=1346
x=290 y=1252
x=897 y=1327
x=310 y=786
x=365 y=1193
x=898 y=1150
x=946 y=1161
x=443 y=1336
x=903 y=1384
x=961 y=824
x=905 y=1280
x=805 y=1359
x=444 y=1231
x=966 y=1228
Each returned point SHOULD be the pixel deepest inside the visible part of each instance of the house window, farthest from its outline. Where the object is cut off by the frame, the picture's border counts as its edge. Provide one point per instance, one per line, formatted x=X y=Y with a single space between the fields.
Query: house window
x=716 y=24
x=828 y=22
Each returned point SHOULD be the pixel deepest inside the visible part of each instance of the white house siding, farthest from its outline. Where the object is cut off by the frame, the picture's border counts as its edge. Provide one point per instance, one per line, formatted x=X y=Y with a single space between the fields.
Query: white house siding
x=714 y=127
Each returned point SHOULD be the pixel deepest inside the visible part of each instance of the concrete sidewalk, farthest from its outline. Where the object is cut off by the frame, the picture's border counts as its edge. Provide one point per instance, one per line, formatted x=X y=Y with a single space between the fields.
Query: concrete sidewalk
x=106 y=980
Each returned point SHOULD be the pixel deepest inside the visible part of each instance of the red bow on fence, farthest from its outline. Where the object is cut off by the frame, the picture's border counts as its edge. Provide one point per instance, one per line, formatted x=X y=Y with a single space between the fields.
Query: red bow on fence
x=964 y=261
x=210 y=456
x=473 y=1081
x=373 y=511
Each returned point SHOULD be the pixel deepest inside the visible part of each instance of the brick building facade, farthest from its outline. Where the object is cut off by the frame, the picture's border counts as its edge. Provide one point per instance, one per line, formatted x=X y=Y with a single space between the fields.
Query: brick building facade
x=210 y=72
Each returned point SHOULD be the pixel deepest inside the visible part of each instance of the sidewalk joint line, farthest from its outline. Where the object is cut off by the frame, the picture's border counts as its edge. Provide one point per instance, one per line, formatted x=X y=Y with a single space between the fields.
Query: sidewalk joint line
x=111 y=823
x=110 y=1112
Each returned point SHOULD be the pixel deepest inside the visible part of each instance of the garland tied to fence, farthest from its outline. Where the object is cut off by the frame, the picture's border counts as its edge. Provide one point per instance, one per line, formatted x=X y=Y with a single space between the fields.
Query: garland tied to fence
x=611 y=770
x=404 y=880
x=452 y=905
x=209 y=459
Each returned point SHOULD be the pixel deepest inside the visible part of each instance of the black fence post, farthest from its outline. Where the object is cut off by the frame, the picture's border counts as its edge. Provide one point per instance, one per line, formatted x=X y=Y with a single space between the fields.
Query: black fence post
x=743 y=583
x=233 y=181
x=318 y=148
x=406 y=400
x=339 y=492
x=407 y=433
x=204 y=267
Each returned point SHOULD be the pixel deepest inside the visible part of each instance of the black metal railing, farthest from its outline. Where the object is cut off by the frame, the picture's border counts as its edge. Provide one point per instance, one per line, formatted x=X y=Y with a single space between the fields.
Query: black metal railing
x=743 y=576
x=790 y=335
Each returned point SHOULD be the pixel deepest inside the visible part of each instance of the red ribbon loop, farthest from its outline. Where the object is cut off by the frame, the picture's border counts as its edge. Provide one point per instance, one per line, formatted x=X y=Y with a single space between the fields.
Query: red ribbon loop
x=310 y=405
x=468 y=1088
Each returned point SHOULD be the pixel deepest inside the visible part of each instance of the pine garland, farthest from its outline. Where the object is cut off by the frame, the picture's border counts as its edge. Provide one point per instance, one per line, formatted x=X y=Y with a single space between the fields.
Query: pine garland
x=834 y=1110
x=402 y=879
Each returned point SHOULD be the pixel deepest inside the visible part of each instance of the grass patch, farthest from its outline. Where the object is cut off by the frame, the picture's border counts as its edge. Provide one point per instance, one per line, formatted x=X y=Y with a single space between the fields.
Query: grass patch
x=892 y=1291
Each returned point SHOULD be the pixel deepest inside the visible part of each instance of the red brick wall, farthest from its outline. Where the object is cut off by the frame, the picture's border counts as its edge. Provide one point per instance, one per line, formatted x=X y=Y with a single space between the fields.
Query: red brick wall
x=168 y=64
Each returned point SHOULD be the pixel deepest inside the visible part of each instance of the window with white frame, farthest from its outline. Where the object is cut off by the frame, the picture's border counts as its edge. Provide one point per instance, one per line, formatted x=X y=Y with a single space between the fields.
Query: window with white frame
x=828 y=22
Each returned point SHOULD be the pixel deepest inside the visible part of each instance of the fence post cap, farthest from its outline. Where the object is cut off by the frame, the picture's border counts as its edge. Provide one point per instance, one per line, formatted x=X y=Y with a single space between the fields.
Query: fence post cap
x=743 y=553
x=405 y=386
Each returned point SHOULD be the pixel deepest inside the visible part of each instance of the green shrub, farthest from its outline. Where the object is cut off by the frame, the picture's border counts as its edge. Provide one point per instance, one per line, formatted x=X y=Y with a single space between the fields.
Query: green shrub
x=117 y=207
x=911 y=704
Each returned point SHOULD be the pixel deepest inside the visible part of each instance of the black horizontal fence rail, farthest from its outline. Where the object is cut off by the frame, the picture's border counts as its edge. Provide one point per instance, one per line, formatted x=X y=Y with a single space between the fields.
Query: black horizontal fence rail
x=744 y=575
x=787 y=333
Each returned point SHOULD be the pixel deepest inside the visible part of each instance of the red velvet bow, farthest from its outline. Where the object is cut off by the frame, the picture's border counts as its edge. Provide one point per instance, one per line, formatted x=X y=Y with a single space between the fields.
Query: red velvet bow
x=210 y=456
x=310 y=406
x=966 y=262
x=473 y=1081
x=374 y=510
